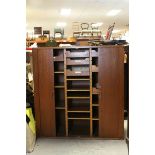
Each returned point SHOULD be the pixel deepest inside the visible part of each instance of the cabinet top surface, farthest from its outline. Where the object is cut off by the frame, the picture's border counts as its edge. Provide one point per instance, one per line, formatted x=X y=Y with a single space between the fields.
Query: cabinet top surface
x=78 y=47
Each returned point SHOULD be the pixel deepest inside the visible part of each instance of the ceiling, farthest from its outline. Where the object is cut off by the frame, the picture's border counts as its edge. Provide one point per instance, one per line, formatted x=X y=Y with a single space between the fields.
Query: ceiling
x=46 y=13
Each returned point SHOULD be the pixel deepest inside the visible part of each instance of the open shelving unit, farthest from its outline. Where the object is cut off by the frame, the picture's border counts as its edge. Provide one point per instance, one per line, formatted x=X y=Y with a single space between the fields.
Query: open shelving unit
x=75 y=81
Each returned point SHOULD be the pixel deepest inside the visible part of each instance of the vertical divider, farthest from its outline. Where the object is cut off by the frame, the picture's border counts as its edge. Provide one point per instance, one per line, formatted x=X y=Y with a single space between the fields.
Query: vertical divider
x=90 y=71
x=65 y=85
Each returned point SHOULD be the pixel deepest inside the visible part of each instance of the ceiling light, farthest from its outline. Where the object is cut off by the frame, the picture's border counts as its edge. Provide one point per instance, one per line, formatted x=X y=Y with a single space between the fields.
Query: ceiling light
x=65 y=12
x=116 y=31
x=97 y=24
x=113 y=12
x=61 y=24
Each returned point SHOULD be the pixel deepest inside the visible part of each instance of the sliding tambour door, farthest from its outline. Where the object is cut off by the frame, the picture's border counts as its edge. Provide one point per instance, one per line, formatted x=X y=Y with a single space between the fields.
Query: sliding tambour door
x=111 y=99
x=45 y=104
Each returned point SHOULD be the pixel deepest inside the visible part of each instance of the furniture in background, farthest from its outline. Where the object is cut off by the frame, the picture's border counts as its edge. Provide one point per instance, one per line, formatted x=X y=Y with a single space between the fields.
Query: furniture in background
x=58 y=32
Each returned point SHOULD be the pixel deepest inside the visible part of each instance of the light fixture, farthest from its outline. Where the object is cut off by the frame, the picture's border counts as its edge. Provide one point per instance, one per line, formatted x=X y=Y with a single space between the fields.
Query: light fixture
x=116 y=31
x=61 y=24
x=113 y=12
x=97 y=24
x=65 y=12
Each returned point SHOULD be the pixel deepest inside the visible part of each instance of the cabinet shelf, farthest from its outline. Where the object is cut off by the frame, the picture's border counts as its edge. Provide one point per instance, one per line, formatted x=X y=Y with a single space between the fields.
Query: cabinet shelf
x=78 y=90
x=95 y=119
x=77 y=79
x=58 y=86
x=79 y=109
x=59 y=72
x=60 y=108
x=78 y=97
x=95 y=105
x=78 y=85
x=79 y=118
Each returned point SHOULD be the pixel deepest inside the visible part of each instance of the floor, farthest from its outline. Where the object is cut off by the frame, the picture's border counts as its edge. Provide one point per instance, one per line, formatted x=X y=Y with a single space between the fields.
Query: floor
x=47 y=146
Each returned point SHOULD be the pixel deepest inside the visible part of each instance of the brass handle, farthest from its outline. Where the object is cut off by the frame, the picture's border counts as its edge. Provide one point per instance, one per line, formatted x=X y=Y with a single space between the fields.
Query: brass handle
x=125 y=58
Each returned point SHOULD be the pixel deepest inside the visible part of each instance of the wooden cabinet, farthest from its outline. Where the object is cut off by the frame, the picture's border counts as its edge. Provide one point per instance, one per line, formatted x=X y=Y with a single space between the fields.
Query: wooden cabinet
x=79 y=91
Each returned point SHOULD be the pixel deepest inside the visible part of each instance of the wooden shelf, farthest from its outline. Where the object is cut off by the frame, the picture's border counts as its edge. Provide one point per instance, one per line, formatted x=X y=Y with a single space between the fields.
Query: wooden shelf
x=78 y=97
x=59 y=72
x=79 y=109
x=78 y=79
x=95 y=105
x=77 y=90
x=95 y=119
x=58 y=86
x=60 y=108
x=37 y=41
x=79 y=118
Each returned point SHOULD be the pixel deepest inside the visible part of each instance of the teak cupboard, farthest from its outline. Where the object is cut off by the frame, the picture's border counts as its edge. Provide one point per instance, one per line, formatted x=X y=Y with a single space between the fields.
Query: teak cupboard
x=79 y=91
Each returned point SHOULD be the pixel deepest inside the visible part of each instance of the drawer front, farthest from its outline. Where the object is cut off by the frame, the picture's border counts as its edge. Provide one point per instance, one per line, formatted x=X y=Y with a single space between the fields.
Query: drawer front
x=77 y=61
x=77 y=73
x=80 y=54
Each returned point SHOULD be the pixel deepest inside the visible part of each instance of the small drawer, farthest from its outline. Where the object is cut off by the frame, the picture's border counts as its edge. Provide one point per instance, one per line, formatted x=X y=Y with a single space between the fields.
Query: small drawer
x=77 y=54
x=94 y=53
x=77 y=73
x=84 y=61
x=94 y=68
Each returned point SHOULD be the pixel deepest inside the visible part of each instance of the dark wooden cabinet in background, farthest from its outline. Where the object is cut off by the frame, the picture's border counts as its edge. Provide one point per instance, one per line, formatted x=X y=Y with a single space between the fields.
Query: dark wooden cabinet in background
x=79 y=91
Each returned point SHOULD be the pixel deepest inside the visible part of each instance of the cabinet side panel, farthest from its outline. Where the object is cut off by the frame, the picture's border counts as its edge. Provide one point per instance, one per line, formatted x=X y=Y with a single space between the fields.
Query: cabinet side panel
x=46 y=87
x=111 y=81
x=36 y=90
